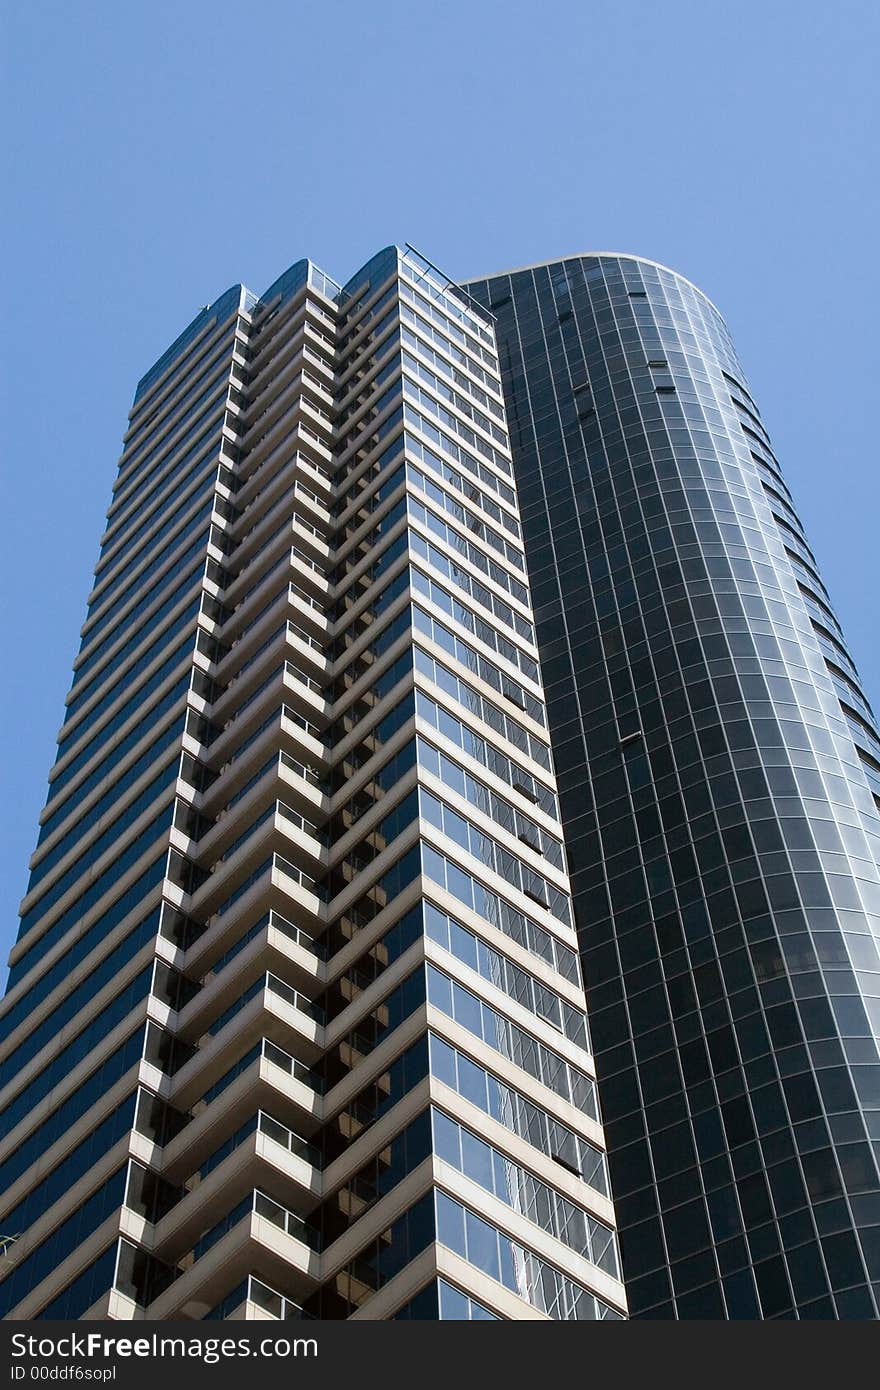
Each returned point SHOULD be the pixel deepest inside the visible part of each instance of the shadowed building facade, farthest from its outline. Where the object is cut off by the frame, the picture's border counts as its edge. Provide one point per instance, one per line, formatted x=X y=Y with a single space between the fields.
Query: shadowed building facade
x=718 y=767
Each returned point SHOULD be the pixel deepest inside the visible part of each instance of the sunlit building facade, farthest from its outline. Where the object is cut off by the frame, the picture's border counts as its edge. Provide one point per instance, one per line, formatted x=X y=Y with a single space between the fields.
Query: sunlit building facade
x=295 y=1023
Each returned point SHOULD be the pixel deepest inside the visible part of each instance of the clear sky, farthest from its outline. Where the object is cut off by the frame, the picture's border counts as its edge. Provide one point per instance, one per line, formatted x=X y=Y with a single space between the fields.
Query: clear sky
x=159 y=152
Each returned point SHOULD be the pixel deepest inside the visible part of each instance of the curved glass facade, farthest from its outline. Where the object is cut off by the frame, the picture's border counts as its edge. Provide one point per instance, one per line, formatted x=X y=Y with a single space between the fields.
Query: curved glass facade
x=718 y=766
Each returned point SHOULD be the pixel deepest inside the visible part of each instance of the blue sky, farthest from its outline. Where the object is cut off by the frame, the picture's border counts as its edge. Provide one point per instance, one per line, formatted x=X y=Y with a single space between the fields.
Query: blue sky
x=157 y=153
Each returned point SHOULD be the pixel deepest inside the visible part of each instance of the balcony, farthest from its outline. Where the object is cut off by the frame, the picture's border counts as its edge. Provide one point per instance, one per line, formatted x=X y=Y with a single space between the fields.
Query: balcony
x=265 y=1076
x=261 y=1154
x=254 y=1301
x=258 y=1230
x=272 y=944
x=300 y=736
x=278 y=828
x=270 y=1009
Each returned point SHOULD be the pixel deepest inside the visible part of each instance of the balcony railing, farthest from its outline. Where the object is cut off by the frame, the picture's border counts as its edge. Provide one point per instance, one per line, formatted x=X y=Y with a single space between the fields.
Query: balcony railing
x=256 y=1203
x=294 y=630
x=260 y=1123
x=253 y=1290
x=273 y=985
x=300 y=676
x=277 y=923
x=272 y=1053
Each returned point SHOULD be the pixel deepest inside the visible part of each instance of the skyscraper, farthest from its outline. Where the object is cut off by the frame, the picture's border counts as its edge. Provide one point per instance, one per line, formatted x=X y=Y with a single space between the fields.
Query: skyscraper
x=295 y=1022
x=718 y=768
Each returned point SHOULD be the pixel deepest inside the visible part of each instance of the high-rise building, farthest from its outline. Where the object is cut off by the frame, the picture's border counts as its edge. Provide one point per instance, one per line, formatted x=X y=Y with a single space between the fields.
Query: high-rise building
x=718 y=768
x=295 y=1023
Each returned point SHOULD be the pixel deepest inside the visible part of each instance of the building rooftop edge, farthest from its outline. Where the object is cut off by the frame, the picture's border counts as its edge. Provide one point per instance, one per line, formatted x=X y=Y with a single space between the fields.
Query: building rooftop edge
x=584 y=255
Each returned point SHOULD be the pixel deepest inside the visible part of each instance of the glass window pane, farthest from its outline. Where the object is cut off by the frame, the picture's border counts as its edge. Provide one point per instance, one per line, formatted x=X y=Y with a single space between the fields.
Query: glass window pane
x=450 y=1224
x=482 y=1245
